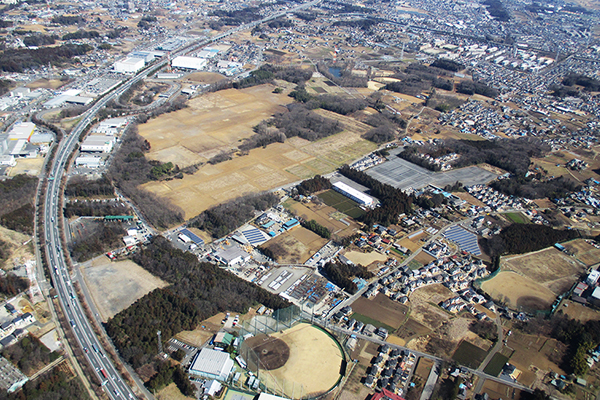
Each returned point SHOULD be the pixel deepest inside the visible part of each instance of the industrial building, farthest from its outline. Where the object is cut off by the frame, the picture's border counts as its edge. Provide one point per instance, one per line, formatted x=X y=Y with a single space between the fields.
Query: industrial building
x=111 y=126
x=89 y=162
x=232 y=256
x=130 y=65
x=353 y=194
x=21 y=130
x=97 y=144
x=71 y=97
x=212 y=364
x=11 y=379
x=194 y=63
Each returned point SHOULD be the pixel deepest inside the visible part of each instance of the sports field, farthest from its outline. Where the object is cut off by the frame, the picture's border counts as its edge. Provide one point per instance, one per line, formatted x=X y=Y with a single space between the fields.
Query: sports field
x=324 y=215
x=341 y=203
x=313 y=364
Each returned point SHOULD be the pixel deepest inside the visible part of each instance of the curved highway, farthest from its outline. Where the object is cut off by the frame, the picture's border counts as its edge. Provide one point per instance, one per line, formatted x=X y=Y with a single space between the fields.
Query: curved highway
x=112 y=382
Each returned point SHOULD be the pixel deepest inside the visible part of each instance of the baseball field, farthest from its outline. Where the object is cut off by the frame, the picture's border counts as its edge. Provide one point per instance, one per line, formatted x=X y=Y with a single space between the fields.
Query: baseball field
x=301 y=362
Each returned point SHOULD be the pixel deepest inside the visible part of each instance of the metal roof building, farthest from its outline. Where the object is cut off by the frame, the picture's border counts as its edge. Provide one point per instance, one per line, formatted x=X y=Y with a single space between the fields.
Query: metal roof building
x=352 y=193
x=212 y=364
x=188 y=62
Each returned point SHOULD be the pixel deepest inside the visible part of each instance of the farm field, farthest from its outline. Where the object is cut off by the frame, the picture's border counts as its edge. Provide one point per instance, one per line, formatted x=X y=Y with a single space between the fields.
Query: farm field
x=381 y=308
x=550 y=268
x=584 y=251
x=579 y=312
x=517 y=217
x=468 y=354
x=205 y=77
x=217 y=122
x=496 y=364
x=532 y=351
x=115 y=285
x=498 y=390
x=295 y=246
x=518 y=291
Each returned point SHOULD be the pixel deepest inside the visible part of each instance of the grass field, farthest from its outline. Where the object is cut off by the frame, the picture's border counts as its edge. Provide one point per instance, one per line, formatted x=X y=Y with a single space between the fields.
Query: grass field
x=325 y=215
x=496 y=364
x=342 y=203
x=517 y=218
x=518 y=291
x=469 y=355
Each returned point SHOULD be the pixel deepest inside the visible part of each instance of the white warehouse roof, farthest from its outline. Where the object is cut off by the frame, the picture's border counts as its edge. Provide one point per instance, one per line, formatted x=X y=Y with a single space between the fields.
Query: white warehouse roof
x=189 y=62
x=357 y=195
x=212 y=363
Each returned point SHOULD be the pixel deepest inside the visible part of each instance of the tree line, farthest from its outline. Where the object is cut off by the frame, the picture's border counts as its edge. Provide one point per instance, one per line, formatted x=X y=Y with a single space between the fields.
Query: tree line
x=18 y=60
x=393 y=202
x=55 y=384
x=525 y=238
x=346 y=78
x=130 y=169
x=317 y=228
x=16 y=203
x=67 y=19
x=11 y=285
x=81 y=34
x=29 y=354
x=312 y=185
x=80 y=186
x=100 y=237
x=476 y=87
x=225 y=218
x=198 y=291
x=533 y=187
x=341 y=274
x=167 y=373
x=85 y=208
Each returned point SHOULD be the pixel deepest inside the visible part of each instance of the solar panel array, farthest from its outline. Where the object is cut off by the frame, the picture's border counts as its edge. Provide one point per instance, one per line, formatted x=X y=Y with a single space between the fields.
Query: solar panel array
x=254 y=236
x=192 y=236
x=465 y=239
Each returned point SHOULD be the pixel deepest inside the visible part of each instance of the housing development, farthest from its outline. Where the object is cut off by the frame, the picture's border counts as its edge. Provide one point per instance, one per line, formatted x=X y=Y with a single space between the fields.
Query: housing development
x=324 y=199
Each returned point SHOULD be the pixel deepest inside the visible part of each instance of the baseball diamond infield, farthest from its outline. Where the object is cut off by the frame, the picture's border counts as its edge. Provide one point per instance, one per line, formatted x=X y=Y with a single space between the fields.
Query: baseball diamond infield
x=300 y=362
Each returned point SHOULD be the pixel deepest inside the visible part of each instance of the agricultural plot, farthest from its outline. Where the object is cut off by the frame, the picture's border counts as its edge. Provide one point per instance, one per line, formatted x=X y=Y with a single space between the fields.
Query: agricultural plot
x=324 y=215
x=517 y=217
x=469 y=355
x=579 y=312
x=550 y=268
x=381 y=309
x=217 y=122
x=496 y=364
x=584 y=251
x=497 y=390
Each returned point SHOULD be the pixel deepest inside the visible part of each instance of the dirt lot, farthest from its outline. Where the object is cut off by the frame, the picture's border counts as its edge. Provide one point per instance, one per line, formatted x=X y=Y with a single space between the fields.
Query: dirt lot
x=295 y=246
x=324 y=215
x=532 y=353
x=583 y=251
x=306 y=344
x=45 y=83
x=205 y=77
x=550 y=268
x=382 y=309
x=17 y=253
x=424 y=258
x=518 y=291
x=579 y=312
x=115 y=286
x=206 y=329
x=424 y=308
x=29 y=166
x=500 y=391
x=365 y=259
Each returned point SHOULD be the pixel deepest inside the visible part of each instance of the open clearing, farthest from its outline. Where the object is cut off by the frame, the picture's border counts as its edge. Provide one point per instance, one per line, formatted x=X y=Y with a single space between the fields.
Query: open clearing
x=584 y=252
x=16 y=252
x=531 y=352
x=313 y=366
x=364 y=259
x=205 y=77
x=205 y=330
x=518 y=291
x=45 y=83
x=382 y=308
x=295 y=246
x=217 y=122
x=498 y=390
x=324 y=215
x=115 y=285
x=29 y=166
x=171 y=392
x=550 y=268
x=424 y=305
x=579 y=312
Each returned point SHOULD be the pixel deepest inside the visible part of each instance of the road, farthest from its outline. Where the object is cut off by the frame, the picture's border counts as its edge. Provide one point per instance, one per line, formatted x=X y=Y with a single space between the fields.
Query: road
x=112 y=382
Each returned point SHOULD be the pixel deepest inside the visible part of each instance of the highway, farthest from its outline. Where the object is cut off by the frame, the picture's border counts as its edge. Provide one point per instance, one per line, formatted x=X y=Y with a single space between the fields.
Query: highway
x=112 y=382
